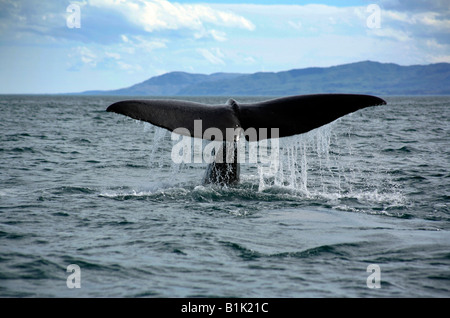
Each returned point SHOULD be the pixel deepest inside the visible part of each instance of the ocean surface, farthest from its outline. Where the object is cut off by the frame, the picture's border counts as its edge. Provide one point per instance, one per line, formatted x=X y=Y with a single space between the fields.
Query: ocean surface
x=361 y=203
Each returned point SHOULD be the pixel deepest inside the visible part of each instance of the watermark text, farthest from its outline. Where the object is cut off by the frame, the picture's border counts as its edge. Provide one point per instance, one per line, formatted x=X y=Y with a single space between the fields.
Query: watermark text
x=74 y=279
x=74 y=19
x=374 y=279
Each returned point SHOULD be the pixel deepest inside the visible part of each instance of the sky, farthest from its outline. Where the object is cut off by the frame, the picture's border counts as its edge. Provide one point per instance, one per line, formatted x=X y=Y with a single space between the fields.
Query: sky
x=62 y=46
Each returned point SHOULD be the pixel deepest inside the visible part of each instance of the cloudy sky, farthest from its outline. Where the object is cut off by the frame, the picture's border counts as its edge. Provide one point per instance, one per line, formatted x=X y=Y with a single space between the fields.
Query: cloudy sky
x=60 y=46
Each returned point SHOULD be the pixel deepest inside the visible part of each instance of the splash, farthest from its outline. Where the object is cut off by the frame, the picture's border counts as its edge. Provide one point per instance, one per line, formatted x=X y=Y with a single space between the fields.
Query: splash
x=326 y=164
x=160 y=156
x=293 y=164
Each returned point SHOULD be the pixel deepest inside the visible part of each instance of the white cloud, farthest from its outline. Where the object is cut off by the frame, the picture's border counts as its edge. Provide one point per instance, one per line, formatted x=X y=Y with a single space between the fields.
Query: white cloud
x=217 y=35
x=113 y=55
x=440 y=59
x=415 y=5
x=395 y=34
x=87 y=56
x=157 y=15
x=427 y=18
x=213 y=56
x=128 y=67
x=433 y=19
x=297 y=25
x=143 y=44
x=432 y=43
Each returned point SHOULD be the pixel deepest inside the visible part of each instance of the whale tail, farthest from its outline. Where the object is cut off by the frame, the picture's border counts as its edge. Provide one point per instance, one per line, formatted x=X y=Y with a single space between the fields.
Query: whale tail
x=288 y=115
x=274 y=118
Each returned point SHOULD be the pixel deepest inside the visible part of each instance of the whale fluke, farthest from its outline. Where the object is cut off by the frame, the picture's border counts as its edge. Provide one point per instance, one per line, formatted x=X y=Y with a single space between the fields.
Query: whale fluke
x=289 y=116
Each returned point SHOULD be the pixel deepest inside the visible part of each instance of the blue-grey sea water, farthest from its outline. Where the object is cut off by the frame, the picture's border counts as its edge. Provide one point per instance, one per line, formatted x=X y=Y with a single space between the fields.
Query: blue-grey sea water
x=79 y=185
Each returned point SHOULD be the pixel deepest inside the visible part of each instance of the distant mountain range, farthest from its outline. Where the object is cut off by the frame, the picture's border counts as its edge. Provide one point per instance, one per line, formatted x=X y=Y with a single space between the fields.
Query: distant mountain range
x=360 y=78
